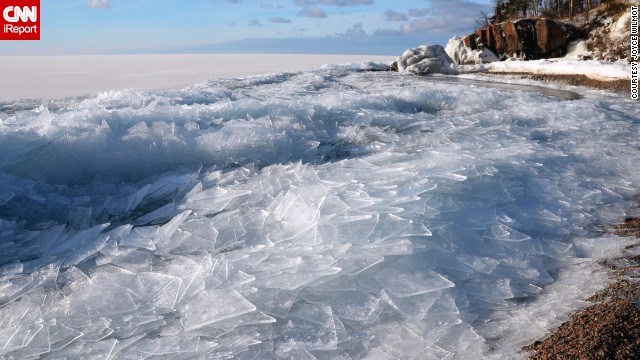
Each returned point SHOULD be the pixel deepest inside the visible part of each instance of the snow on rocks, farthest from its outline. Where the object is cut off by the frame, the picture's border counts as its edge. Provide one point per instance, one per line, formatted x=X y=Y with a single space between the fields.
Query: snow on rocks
x=593 y=69
x=577 y=50
x=425 y=59
x=463 y=55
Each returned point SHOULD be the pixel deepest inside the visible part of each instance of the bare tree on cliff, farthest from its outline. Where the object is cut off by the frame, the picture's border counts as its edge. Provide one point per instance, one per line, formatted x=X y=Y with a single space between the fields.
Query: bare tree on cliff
x=512 y=9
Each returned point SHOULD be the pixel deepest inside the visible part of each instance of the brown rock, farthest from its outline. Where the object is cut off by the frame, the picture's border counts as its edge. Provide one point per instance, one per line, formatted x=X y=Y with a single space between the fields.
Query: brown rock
x=470 y=41
x=512 y=39
x=490 y=42
x=524 y=38
x=499 y=39
x=551 y=38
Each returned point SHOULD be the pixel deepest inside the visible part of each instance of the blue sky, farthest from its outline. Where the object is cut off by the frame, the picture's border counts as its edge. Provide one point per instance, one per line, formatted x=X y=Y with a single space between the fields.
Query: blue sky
x=384 y=27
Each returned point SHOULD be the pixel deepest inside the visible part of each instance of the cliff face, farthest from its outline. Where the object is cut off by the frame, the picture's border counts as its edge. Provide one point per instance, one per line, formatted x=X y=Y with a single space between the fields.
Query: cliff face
x=528 y=39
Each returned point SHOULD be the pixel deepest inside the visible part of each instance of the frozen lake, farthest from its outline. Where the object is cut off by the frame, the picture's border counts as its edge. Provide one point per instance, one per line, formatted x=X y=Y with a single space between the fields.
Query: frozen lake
x=318 y=214
x=52 y=77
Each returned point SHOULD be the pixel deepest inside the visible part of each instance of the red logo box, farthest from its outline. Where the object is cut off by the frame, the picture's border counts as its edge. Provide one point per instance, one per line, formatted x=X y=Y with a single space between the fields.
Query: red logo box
x=19 y=19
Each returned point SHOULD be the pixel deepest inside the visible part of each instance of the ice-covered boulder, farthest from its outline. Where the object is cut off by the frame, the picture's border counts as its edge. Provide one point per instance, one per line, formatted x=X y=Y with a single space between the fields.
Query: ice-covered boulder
x=463 y=55
x=425 y=59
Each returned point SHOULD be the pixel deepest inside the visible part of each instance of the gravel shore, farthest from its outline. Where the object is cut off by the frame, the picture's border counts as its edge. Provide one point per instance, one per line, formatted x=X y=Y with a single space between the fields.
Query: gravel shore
x=619 y=85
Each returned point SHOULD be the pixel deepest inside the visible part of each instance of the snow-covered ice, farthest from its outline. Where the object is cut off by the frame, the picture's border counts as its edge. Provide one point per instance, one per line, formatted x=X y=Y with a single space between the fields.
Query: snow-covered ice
x=324 y=214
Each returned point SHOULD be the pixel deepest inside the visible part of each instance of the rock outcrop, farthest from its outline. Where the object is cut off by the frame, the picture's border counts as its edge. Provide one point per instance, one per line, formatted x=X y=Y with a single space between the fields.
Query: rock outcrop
x=528 y=39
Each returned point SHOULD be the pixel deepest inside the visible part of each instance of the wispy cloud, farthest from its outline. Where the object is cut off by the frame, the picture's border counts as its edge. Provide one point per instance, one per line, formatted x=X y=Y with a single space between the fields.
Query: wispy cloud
x=313 y=13
x=279 y=20
x=255 y=22
x=347 y=2
x=395 y=16
x=387 y=32
x=333 y=2
x=99 y=4
x=442 y=19
x=415 y=12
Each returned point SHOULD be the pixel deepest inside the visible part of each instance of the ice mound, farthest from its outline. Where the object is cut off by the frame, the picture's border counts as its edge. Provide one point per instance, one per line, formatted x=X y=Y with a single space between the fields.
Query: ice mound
x=321 y=215
x=425 y=59
x=463 y=55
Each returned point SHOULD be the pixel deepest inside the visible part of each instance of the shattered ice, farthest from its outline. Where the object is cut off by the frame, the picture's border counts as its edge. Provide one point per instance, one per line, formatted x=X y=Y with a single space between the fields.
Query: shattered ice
x=328 y=214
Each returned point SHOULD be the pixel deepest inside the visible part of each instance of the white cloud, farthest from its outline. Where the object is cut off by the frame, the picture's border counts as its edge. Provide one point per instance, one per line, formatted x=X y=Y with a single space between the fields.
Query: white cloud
x=313 y=13
x=354 y=32
x=99 y=4
x=416 y=26
x=395 y=16
x=255 y=22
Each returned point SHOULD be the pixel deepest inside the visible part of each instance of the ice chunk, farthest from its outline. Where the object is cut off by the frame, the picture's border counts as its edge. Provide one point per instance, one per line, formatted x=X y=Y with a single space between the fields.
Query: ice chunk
x=97 y=350
x=60 y=336
x=271 y=301
x=402 y=284
x=253 y=318
x=358 y=261
x=545 y=189
x=158 y=215
x=213 y=305
x=140 y=237
x=161 y=289
x=504 y=233
x=357 y=307
x=213 y=200
x=413 y=308
x=175 y=345
x=78 y=239
x=302 y=334
x=165 y=234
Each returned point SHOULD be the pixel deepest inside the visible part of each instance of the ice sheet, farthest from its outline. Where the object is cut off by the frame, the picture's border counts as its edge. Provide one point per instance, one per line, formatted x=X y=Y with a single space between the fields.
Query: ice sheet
x=330 y=214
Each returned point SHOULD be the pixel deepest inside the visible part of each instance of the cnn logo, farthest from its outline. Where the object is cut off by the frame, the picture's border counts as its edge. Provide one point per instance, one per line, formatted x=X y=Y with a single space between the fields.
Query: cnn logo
x=20 y=20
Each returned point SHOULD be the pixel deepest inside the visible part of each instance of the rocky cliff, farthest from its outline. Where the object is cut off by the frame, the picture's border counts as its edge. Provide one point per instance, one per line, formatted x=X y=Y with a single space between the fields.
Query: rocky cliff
x=528 y=39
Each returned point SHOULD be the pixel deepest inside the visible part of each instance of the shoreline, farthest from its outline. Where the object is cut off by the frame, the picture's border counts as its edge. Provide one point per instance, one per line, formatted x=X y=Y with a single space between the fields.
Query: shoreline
x=615 y=85
x=610 y=328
